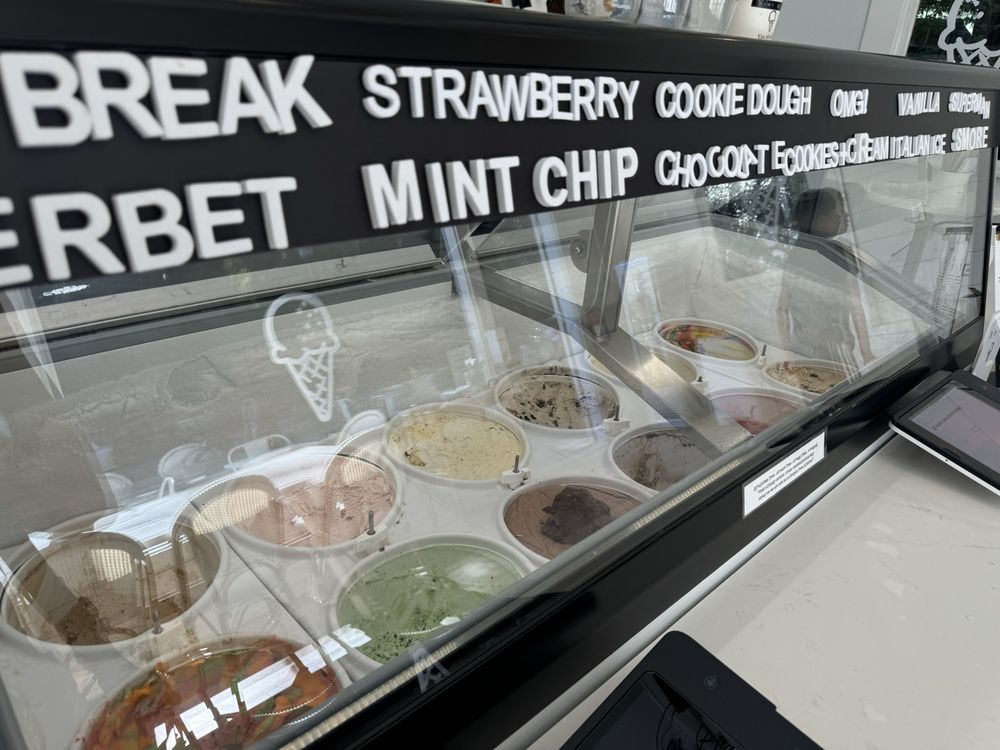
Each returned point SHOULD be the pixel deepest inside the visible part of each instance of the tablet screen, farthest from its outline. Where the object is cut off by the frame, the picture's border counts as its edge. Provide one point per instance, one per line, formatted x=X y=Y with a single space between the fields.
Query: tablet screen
x=964 y=419
x=652 y=715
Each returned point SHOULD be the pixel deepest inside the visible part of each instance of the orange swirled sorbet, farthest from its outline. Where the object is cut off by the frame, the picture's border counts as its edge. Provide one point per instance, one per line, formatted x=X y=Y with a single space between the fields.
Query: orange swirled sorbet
x=220 y=696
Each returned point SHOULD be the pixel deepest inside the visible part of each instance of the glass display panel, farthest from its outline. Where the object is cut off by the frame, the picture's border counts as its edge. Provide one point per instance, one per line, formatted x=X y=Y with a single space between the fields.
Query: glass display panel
x=240 y=502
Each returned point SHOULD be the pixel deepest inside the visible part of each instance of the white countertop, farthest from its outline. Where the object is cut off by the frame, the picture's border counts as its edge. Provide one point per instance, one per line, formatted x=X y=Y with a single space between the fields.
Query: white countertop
x=871 y=622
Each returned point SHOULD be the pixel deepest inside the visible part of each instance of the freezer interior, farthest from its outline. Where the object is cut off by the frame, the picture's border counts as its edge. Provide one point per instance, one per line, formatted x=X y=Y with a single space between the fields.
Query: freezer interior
x=247 y=495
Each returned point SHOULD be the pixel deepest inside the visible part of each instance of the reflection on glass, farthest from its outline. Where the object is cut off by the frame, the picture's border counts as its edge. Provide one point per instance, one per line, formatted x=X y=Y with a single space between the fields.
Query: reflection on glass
x=412 y=594
x=549 y=518
x=393 y=513
x=676 y=362
x=754 y=410
x=838 y=329
x=93 y=588
x=618 y=10
x=222 y=695
x=657 y=457
x=962 y=31
x=708 y=340
x=456 y=443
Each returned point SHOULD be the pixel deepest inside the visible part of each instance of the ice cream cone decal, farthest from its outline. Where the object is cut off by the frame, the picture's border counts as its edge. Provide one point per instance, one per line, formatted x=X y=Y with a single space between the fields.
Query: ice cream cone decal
x=313 y=374
x=300 y=336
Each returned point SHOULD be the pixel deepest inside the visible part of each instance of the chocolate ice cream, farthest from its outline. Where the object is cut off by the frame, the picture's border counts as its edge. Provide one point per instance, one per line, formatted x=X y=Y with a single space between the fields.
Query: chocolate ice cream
x=548 y=519
x=808 y=377
x=84 y=591
x=573 y=515
x=659 y=457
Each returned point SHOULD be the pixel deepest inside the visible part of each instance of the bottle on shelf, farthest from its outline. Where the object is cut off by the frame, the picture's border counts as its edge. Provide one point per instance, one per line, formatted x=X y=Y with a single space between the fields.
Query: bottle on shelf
x=753 y=19
x=615 y=10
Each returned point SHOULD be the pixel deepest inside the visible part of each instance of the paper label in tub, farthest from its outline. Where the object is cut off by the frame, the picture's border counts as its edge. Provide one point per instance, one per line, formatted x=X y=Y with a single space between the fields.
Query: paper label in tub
x=763 y=487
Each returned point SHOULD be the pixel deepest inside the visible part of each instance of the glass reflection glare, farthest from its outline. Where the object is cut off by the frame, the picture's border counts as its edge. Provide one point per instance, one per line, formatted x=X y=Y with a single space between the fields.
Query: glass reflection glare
x=223 y=696
x=411 y=594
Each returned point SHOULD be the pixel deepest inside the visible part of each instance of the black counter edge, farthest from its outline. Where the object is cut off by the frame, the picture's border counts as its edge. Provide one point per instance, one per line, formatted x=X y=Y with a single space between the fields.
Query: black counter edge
x=405 y=30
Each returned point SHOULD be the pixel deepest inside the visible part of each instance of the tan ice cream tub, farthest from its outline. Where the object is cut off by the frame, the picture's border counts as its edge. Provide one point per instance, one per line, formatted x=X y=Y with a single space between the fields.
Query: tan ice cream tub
x=455 y=442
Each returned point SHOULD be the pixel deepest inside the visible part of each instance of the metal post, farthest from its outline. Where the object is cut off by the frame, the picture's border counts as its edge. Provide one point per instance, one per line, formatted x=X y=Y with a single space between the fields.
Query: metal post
x=607 y=257
x=989 y=346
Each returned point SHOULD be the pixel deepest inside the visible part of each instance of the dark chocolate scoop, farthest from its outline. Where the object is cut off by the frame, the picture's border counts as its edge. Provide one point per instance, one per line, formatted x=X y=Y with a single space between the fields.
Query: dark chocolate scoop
x=81 y=623
x=574 y=515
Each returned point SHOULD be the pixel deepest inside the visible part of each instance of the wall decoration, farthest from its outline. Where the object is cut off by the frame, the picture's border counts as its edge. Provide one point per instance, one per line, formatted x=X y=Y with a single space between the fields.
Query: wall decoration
x=961 y=31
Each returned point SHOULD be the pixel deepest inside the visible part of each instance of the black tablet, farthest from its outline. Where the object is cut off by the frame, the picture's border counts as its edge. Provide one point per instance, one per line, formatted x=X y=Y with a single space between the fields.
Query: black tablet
x=681 y=697
x=957 y=420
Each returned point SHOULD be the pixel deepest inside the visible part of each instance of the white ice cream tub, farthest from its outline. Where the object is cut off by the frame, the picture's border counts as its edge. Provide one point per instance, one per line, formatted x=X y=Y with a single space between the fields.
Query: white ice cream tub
x=454 y=407
x=555 y=371
x=75 y=677
x=227 y=641
x=630 y=489
x=27 y=558
x=794 y=401
x=659 y=342
x=690 y=457
x=360 y=545
x=848 y=372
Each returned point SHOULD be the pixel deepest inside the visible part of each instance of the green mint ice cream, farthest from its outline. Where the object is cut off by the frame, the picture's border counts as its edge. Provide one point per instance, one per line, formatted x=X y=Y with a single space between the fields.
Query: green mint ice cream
x=411 y=595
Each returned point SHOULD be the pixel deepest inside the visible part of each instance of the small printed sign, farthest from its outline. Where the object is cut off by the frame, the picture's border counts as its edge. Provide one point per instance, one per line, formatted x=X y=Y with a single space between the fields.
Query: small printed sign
x=988 y=348
x=762 y=488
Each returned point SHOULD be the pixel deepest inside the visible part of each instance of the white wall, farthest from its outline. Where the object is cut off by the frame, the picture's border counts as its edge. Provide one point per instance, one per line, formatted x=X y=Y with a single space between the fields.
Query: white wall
x=869 y=25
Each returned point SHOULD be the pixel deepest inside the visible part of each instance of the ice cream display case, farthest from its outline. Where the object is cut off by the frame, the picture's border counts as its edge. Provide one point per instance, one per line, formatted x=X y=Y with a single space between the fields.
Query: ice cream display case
x=347 y=397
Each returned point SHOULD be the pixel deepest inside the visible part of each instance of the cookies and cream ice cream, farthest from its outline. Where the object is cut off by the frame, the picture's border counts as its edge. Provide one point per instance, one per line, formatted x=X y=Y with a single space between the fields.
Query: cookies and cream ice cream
x=355 y=495
x=658 y=458
x=550 y=518
x=558 y=397
x=412 y=594
x=812 y=378
x=456 y=444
